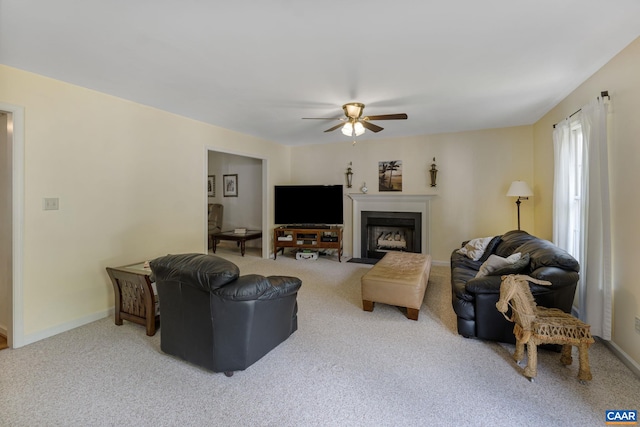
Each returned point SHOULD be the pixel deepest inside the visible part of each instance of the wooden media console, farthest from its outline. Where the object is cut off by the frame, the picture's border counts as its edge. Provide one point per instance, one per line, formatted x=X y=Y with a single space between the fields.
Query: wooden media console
x=307 y=238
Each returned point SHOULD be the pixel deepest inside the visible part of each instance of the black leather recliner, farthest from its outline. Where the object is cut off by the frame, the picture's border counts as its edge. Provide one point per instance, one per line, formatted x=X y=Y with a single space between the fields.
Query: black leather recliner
x=474 y=299
x=215 y=318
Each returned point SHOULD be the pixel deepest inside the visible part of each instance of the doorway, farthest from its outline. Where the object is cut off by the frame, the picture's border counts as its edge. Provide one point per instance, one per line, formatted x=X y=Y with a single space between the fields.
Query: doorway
x=246 y=206
x=11 y=223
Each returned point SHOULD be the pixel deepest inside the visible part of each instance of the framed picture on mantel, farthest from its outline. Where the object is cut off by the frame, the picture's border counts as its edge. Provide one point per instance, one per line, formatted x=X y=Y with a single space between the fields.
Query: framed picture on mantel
x=230 y=185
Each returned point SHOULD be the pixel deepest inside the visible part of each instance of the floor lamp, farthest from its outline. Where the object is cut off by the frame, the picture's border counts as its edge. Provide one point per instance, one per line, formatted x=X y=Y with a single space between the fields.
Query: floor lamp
x=521 y=190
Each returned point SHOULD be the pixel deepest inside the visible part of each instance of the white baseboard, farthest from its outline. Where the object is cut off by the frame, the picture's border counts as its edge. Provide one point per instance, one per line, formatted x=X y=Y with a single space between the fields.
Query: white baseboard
x=624 y=357
x=67 y=326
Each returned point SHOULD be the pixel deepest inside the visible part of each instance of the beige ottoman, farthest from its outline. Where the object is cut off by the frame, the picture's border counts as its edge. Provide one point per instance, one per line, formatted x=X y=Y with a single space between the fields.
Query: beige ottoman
x=399 y=279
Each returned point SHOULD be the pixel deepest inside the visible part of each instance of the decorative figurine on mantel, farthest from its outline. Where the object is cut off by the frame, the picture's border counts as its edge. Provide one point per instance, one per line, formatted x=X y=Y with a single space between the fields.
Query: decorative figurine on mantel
x=364 y=188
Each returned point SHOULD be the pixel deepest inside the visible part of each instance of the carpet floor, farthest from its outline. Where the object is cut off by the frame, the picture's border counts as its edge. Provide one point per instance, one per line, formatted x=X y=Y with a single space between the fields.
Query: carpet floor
x=342 y=367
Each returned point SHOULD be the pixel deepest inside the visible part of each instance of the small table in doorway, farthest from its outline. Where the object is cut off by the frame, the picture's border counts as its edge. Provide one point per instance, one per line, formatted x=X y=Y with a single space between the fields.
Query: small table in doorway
x=240 y=238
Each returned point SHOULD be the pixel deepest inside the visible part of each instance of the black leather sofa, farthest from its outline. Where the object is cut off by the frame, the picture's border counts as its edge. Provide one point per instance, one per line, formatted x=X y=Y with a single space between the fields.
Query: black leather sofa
x=474 y=299
x=215 y=318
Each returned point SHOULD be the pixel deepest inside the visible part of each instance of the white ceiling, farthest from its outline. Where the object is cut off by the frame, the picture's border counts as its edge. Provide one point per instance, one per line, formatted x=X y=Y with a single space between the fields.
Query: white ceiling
x=259 y=66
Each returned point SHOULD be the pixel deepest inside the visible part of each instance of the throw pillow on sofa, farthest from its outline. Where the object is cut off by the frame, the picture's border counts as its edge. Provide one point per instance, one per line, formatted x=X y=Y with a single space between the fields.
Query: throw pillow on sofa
x=517 y=267
x=491 y=248
x=495 y=262
x=475 y=248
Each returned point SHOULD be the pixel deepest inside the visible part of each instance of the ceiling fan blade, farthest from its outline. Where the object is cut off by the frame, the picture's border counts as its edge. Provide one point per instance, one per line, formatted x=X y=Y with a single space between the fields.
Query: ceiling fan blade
x=334 y=127
x=371 y=126
x=400 y=116
x=322 y=118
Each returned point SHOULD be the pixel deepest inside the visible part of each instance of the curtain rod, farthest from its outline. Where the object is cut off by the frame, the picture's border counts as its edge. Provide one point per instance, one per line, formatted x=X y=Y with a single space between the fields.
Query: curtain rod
x=603 y=94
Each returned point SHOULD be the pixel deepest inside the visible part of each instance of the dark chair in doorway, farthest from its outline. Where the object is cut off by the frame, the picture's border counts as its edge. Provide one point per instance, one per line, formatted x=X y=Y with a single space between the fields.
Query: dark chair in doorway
x=215 y=211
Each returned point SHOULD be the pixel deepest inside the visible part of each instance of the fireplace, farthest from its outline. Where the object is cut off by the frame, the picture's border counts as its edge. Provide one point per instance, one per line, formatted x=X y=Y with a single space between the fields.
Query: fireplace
x=392 y=203
x=382 y=232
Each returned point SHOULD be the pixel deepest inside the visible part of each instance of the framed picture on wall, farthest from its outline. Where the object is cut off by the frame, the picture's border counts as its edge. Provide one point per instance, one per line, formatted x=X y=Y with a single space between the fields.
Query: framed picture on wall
x=390 y=175
x=230 y=185
x=211 y=186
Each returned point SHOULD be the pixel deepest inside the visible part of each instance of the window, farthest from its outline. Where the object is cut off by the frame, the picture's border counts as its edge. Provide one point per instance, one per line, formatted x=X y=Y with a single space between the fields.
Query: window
x=581 y=209
x=574 y=162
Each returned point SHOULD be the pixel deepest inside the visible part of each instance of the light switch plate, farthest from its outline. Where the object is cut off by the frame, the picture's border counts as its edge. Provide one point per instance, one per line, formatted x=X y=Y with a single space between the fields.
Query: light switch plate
x=50 y=204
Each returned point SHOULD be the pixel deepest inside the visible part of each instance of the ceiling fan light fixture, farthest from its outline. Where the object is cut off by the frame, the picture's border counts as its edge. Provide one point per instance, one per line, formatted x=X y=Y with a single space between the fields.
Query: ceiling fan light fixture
x=358 y=128
x=351 y=129
x=354 y=124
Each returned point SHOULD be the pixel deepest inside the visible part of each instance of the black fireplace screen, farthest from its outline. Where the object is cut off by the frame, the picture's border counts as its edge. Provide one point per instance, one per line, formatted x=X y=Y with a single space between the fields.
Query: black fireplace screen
x=390 y=231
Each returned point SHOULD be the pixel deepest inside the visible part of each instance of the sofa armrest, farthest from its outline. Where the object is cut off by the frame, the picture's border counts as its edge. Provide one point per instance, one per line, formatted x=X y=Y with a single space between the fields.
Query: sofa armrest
x=559 y=277
x=282 y=286
x=484 y=285
x=257 y=287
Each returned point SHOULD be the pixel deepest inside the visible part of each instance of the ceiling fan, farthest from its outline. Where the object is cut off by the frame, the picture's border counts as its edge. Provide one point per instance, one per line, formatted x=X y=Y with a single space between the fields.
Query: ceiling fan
x=354 y=124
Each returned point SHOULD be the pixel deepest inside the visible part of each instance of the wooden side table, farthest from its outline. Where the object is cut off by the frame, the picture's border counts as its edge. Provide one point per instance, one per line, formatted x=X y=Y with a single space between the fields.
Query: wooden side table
x=136 y=299
x=240 y=238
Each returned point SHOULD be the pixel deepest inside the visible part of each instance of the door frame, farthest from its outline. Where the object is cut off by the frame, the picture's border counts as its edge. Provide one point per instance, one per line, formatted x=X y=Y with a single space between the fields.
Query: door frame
x=15 y=137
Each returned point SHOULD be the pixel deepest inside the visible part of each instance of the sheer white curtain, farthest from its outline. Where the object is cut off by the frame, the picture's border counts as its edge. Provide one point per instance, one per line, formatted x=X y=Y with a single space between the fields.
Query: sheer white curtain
x=581 y=177
x=596 y=284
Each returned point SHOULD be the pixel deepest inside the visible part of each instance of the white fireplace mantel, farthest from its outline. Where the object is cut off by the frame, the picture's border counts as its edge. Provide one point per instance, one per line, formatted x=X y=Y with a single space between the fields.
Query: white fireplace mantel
x=391 y=203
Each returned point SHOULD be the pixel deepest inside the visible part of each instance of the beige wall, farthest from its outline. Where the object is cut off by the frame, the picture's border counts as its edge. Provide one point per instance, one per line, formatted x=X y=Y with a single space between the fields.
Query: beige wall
x=620 y=78
x=132 y=185
x=475 y=171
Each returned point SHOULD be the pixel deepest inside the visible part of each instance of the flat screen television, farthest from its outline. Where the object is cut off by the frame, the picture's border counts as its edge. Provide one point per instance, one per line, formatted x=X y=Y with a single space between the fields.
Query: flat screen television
x=308 y=205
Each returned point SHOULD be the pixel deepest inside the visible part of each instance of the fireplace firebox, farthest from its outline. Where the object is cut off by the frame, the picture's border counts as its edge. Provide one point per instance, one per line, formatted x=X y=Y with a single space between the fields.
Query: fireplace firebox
x=382 y=232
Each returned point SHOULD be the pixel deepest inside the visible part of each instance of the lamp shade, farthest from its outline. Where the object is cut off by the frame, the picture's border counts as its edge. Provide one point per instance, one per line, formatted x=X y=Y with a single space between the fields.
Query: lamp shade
x=519 y=189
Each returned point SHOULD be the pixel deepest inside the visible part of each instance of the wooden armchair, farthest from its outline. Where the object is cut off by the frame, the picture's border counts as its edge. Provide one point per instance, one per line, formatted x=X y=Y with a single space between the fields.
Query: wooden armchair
x=539 y=325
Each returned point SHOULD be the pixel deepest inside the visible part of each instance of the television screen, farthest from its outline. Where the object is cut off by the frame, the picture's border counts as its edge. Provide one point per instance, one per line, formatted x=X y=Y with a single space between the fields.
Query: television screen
x=308 y=204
